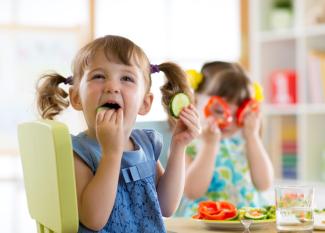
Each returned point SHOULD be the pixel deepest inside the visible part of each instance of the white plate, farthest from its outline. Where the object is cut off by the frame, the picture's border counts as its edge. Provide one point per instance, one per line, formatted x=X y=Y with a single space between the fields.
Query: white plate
x=235 y=225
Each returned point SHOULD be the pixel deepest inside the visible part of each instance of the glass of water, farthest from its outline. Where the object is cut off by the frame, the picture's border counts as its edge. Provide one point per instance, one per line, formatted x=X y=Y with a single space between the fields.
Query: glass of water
x=294 y=208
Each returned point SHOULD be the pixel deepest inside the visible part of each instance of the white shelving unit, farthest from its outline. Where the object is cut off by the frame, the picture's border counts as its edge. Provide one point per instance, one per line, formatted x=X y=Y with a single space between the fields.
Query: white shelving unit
x=288 y=49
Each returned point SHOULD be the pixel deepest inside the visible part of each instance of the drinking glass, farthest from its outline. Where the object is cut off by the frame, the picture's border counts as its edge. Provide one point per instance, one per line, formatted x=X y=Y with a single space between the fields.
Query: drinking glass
x=294 y=208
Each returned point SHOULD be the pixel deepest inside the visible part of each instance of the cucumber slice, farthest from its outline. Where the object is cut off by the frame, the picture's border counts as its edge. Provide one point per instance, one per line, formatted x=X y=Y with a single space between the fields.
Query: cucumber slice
x=178 y=102
x=255 y=213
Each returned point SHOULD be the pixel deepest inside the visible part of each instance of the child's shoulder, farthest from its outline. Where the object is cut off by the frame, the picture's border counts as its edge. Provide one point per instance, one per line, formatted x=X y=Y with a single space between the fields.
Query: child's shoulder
x=151 y=134
x=149 y=138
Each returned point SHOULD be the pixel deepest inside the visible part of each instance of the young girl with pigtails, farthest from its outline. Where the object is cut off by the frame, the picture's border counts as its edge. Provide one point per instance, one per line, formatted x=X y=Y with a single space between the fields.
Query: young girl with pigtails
x=121 y=185
x=228 y=162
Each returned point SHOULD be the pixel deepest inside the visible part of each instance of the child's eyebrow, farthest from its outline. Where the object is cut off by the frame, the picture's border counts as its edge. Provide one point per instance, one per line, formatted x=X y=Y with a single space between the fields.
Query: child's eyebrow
x=96 y=69
x=130 y=70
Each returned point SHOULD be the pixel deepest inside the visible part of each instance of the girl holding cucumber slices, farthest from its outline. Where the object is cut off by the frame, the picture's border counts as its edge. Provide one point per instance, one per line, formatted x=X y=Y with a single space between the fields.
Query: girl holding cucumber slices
x=228 y=161
x=121 y=185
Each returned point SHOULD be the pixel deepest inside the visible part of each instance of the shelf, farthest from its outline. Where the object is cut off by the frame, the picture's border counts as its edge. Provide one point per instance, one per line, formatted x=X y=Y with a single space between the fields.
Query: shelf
x=274 y=50
x=291 y=34
x=314 y=109
x=315 y=30
x=274 y=36
x=274 y=109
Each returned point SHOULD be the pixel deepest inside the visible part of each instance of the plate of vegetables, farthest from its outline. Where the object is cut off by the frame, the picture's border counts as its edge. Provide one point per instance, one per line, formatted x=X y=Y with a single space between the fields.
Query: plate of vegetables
x=223 y=215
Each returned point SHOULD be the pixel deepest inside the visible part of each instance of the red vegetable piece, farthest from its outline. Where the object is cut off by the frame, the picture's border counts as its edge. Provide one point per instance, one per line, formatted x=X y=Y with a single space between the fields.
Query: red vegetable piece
x=219 y=109
x=247 y=106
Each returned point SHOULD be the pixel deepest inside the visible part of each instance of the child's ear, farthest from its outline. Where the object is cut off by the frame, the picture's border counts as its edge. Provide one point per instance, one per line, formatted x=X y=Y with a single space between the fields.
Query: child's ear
x=75 y=99
x=146 y=104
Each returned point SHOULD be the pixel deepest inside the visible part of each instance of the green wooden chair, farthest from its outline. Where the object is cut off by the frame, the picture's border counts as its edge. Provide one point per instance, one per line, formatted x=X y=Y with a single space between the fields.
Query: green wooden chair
x=48 y=169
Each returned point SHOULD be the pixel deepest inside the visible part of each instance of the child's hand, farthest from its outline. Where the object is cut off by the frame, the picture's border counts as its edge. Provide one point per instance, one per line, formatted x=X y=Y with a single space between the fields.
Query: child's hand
x=211 y=132
x=187 y=127
x=252 y=124
x=109 y=130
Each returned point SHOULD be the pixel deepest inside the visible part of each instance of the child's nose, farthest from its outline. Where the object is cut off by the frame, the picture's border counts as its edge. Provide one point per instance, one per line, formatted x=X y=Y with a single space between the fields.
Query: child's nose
x=112 y=87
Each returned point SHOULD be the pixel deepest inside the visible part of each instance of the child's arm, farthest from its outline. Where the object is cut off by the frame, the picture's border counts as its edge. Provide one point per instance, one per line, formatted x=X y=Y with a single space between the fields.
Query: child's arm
x=96 y=193
x=259 y=162
x=199 y=171
x=170 y=185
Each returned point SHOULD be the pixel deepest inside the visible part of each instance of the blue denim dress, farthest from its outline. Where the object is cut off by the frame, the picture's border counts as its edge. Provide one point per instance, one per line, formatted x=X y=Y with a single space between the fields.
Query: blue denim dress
x=136 y=207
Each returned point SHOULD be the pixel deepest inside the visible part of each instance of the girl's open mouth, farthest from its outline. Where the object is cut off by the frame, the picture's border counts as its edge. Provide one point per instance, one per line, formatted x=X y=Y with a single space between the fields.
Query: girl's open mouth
x=114 y=106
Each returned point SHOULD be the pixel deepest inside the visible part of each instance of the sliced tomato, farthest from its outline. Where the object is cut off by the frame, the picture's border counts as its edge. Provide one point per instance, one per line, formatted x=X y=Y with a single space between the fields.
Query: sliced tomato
x=247 y=106
x=219 y=109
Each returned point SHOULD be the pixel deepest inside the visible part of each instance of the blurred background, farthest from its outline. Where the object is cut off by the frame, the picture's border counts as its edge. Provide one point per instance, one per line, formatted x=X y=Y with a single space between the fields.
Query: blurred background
x=281 y=43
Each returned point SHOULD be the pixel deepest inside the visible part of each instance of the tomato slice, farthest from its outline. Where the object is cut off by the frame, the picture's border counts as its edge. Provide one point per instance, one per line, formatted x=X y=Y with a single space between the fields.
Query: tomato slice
x=246 y=106
x=219 y=109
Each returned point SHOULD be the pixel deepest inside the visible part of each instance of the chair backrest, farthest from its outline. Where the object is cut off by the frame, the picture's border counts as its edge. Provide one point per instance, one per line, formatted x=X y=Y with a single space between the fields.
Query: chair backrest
x=163 y=128
x=48 y=169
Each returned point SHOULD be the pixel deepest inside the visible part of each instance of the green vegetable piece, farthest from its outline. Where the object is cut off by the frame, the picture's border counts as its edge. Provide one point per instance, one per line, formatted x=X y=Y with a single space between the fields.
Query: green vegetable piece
x=255 y=213
x=178 y=102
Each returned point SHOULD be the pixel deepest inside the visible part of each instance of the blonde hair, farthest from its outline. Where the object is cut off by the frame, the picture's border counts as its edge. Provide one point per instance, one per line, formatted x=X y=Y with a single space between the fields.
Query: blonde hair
x=51 y=99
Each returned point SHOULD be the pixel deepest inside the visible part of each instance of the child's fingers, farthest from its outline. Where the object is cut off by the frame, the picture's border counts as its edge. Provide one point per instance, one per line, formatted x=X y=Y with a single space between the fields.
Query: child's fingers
x=191 y=125
x=108 y=115
x=214 y=128
x=119 y=117
x=191 y=113
x=191 y=107
x=100 y=115
x=211 y=121
x=113 y=117
x=252 y=116
x=189 y=116
x=116 y=116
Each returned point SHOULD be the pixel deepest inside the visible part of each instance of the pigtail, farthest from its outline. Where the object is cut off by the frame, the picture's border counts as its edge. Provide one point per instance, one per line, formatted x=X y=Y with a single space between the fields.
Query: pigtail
x=176 y=82
x=51 y=99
